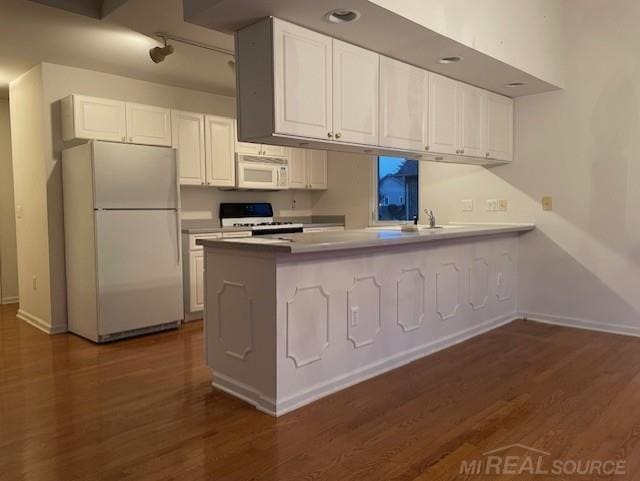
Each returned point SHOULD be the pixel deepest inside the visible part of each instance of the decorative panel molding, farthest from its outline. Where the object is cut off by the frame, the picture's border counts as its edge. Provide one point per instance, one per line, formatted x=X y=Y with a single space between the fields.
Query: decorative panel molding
x=364 y=311
x=478 y=283
x=235 y=319
x=504 y=277
x=447 y=290
x=307 y=332
x=410 y=298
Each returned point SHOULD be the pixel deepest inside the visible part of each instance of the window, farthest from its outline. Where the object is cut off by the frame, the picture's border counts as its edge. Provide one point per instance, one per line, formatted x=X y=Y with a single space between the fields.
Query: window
x=396 y=189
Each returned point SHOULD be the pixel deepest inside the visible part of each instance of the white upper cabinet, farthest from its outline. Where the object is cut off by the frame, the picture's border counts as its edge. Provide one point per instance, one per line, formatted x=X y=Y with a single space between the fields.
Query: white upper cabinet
x=307 y=169
x=403 y=105
x=299 y=88
x=298 y=169
x=355 y=94
x=471 y=101
x=443 y=115
x=499 y=127
x=149 y=125
x=219 y=151
x=275 y=151
x=187 y=135
x=302 y=81
x=93 y=118
x=248 y=148
x=317 y=169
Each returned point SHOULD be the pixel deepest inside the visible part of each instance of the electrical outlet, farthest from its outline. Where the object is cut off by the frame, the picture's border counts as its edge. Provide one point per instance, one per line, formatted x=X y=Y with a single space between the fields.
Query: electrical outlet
x=547 y=203
x=467 y=205
x=354 y=316
x=502 y=205
x=34 y=283
x=492 y=205
x=18 y=212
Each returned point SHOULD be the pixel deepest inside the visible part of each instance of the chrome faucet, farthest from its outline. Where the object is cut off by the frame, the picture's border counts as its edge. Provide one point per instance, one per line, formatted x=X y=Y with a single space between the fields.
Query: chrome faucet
x=431 y=217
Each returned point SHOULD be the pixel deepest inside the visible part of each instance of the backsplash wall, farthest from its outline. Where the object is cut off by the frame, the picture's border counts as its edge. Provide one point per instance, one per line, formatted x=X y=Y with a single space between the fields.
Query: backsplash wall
x=203 y=202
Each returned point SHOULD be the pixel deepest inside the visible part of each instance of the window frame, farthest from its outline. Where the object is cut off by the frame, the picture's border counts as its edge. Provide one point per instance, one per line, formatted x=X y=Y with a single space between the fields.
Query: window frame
x=373 y=194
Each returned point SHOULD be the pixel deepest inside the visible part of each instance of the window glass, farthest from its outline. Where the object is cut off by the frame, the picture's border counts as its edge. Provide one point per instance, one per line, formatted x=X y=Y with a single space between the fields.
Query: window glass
x=397 y=196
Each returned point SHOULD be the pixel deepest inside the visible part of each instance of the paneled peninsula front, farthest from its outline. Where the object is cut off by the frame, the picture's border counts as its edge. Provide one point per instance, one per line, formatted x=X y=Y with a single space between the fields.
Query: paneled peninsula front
x=293 y=318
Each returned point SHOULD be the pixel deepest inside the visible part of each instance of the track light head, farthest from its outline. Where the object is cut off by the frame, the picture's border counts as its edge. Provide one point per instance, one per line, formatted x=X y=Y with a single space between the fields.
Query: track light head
x=158 y=54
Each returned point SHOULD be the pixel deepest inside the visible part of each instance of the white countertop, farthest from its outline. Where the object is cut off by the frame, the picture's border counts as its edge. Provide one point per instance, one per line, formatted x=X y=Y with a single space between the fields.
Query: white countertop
x=361 y=238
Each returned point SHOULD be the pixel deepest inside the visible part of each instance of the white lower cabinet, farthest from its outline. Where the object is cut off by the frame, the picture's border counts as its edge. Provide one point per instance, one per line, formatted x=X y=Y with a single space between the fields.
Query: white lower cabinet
x=196 y=281
x=307 y=169
x=193 y=271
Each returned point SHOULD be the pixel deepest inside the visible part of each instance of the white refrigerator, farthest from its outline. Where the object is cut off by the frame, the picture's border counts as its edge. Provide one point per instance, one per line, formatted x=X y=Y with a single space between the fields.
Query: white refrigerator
x=122 y=239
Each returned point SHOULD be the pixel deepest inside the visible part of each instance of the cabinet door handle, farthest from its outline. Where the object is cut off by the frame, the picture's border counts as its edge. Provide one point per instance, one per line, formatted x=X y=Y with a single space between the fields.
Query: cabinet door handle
x=487 y=154
x=130 y=139
x=338 y=135
x=124 y=139
x=330 y=135
x=426 y=147
x=462 y=151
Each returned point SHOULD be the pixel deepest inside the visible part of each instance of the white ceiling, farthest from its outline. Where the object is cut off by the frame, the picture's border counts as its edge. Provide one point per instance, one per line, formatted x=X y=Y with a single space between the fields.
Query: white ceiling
x=33 y=33
x=378 y=29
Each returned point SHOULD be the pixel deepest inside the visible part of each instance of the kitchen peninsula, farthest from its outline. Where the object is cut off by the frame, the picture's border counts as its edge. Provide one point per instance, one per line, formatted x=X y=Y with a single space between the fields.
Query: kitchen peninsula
x=292 y=318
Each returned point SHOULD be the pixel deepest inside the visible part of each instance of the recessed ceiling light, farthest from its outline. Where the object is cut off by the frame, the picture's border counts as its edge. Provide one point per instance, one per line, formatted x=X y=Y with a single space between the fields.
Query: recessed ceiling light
x=452 y=59
x=342 y=15
x=515 y=84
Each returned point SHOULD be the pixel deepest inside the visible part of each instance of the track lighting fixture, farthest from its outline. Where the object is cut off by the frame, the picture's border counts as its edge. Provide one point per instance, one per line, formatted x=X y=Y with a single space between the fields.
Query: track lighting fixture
x=158 y=54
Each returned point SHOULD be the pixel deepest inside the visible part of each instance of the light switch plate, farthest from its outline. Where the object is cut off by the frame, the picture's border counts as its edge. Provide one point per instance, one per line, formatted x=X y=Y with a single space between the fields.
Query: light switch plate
x=467 y=205
x=547 y=203
x=492 y=205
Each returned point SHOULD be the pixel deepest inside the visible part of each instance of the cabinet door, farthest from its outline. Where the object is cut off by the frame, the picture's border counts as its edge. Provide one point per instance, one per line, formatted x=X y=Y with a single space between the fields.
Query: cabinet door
x=472 y=117
x=355 y=94
x=298 y=169
x=302 y=81
x=499 y=127
x=443 y=115
x=219 y=151
x=149 y=125
x=187 y=136
x=317 y=169
x=403 y=105
x=275 y=151
x=100 y=119
x=196 y=281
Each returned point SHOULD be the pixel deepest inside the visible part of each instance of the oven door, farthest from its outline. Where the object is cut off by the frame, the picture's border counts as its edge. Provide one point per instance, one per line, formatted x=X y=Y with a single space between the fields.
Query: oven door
x=262 y=175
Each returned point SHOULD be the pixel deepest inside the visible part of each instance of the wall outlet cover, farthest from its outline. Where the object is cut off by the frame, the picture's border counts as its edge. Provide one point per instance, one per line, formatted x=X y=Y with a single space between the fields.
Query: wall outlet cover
x=502 y=205
x=547 y=203
x=492 y=205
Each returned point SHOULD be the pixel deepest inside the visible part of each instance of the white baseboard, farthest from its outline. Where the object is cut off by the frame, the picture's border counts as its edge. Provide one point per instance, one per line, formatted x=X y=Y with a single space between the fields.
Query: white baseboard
x=39 y=323
x=10 y=300
x=309 y=395
x=566 y=321
x=244 y=392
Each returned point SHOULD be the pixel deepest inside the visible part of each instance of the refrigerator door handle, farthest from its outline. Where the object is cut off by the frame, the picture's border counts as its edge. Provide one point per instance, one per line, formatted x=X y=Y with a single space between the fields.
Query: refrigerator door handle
x=178 y=235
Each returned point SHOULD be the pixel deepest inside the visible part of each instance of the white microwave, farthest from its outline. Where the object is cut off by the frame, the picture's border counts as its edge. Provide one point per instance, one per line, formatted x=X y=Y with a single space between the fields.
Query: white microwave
x=264 y=173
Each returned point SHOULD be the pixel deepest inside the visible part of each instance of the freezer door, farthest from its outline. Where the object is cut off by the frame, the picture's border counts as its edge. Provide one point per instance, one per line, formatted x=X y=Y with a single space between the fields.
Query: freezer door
x=128 y=176
x=139 y=269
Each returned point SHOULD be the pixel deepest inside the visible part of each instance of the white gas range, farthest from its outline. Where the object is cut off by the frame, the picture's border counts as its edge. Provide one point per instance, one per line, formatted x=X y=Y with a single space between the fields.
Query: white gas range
x=255 y=216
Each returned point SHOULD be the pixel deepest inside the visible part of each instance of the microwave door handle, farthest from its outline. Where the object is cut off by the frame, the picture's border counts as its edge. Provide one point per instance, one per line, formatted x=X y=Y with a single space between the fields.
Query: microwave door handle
x=277 y=177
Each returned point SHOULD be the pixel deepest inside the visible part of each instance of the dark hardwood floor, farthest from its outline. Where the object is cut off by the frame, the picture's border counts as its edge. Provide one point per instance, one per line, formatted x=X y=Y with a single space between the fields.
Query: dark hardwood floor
x=144 y=409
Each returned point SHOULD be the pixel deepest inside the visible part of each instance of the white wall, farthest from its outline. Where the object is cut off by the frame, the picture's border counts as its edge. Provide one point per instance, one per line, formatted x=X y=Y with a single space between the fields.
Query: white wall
x=29 y=177
x=44 y=152
x=524 y=33
x=578 y=145
x=349 y=181
x=8 y=251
